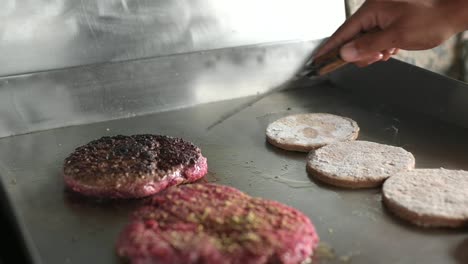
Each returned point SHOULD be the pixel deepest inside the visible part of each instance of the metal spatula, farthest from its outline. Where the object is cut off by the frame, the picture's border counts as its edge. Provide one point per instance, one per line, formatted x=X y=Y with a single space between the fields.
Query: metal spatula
x=327 y=62
x=313 y=69
x=322 y=65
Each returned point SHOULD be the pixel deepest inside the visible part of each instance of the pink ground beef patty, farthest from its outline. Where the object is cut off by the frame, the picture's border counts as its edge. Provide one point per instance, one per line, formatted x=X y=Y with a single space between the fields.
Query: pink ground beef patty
x=209 y=223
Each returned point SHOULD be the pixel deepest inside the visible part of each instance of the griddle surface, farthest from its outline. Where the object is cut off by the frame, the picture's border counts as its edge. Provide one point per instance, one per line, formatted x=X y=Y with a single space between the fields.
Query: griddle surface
x=65 y=228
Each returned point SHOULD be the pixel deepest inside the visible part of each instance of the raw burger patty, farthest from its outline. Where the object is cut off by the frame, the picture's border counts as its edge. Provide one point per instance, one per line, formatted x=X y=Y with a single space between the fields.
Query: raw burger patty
x=429 y=197
x=358 y=164
x=132 y=166
x=305 y=132
x=209 y=223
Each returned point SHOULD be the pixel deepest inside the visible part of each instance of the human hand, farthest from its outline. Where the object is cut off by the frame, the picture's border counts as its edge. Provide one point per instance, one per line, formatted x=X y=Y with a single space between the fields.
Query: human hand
x=396 y=24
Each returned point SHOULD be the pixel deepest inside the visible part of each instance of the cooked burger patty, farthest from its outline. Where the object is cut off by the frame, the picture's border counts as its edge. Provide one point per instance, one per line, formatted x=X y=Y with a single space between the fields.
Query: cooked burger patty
x=132 y=166
x=209 y=223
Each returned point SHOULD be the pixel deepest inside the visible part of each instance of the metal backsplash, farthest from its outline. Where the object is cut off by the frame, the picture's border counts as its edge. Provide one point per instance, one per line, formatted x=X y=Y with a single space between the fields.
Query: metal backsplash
x=117 y=48
x=86 y=94
x=39 y=35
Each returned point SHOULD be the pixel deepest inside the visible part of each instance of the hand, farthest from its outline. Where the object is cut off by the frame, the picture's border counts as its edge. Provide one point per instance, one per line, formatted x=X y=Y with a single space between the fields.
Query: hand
x=400 y=24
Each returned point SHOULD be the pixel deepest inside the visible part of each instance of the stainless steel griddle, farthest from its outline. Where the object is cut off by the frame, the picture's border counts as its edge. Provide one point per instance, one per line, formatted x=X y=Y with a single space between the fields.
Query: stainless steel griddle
x=79 y=70
x=59 y=227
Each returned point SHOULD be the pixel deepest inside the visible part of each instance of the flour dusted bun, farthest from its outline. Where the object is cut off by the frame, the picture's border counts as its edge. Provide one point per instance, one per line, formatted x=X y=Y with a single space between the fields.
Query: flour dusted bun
x=305 y=132
x=429 y=197
x=358 y=164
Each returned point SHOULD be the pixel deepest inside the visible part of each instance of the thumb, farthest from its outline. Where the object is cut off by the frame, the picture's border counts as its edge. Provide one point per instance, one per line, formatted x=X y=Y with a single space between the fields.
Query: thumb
x=368 y=45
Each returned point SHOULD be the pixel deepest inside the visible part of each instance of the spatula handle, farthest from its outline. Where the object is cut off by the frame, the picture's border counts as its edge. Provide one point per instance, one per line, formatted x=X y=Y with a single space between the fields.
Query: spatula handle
x=329 y=62
x=332 y=60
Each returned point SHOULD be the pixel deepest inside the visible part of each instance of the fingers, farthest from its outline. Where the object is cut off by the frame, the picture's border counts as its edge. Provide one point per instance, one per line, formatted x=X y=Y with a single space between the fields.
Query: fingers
x=362 y=20
x=370 y=59
x=379 y=56
x=368 y=45
x=387 y=54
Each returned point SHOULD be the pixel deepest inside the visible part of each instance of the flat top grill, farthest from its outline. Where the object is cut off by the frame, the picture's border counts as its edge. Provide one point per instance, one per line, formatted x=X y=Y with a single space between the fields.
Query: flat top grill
x=65 y=228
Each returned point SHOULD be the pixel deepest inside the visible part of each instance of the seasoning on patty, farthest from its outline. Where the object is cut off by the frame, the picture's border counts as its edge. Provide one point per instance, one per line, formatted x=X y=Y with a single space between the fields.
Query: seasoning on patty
x=132 y=166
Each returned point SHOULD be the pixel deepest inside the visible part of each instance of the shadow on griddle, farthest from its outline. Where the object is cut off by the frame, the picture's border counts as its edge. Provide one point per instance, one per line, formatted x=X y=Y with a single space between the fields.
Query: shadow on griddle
x=422 y=230
x=74 y=200
x=210 y=177
x=461 y=252
x=296 y=155
x=324 y=185
x=327 y=186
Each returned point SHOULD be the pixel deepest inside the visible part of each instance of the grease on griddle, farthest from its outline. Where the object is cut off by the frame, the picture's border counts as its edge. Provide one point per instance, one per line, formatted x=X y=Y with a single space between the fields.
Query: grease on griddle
x=323 y=252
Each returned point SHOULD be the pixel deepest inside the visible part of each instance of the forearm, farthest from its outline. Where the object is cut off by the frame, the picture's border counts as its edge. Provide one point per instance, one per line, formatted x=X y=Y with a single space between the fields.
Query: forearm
x=404 y=24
